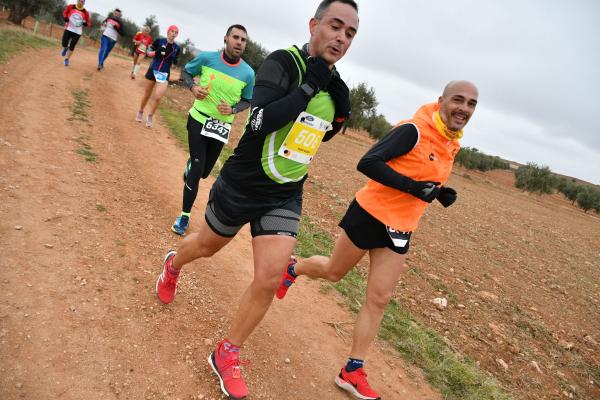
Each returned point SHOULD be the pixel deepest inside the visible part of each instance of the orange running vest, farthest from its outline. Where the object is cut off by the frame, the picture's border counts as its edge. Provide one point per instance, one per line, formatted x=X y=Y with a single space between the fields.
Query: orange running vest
x=430 y=160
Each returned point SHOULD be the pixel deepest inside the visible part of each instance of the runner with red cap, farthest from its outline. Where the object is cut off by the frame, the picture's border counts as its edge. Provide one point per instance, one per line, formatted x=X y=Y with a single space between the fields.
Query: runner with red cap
x=165 y=52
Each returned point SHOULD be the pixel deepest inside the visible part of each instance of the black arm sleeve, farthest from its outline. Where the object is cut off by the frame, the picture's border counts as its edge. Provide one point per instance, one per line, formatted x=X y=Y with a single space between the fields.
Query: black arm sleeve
x=398 y=142
x=242 y=105
x=272 y=106
x=337 y=126
x=188 y=79
x=176 y=59
x=120 y=28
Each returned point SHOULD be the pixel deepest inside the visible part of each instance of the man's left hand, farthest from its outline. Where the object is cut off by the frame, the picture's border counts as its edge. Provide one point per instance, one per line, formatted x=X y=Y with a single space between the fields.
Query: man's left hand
x=447 y=196
x=224 y=108
x=340 y=94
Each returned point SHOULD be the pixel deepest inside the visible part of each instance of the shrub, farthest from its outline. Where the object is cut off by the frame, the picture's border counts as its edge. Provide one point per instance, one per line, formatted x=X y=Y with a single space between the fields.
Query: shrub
x=535 y=179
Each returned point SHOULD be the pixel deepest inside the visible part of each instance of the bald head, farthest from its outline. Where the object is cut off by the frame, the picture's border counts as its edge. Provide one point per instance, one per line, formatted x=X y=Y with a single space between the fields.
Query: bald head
x=457 y=104
x=457 y=86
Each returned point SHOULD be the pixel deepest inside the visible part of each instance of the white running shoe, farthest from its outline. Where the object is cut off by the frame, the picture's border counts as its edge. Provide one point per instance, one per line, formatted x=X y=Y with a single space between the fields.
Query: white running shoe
x=140 y=116
x=149 y=121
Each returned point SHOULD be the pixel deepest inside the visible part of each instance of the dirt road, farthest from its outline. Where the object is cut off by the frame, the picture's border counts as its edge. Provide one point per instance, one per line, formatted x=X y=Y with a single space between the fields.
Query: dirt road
x=83 y=243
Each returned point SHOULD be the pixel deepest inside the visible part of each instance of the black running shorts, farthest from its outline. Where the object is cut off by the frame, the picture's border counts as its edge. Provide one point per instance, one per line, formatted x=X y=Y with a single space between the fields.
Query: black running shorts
x=70 y=39
x=228 y=210
x=366 y=232
x=150 y=75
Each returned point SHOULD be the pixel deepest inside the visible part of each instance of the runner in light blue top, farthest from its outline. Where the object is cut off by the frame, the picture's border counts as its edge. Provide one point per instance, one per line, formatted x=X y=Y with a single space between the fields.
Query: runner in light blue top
x=222 y=84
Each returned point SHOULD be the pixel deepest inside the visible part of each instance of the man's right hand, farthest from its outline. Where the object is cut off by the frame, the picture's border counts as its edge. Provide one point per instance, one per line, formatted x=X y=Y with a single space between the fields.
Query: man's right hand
x=424 y=190
x=318 y=73
x=200 y=92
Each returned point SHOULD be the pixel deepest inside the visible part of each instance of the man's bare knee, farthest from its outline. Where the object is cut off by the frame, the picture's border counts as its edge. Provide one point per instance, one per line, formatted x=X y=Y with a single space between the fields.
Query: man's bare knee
x=266 y=283
x=201 y=248
x=334 y=276
x=204 y=251
x=379 y=300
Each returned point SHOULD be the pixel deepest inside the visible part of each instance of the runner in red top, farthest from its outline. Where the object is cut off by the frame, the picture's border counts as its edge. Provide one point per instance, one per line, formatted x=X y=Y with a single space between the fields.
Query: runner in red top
x=76 y=17
x=142 y=40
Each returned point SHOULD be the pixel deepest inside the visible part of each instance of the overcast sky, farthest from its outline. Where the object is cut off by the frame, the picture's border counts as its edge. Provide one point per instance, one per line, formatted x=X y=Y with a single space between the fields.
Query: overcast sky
x=536 y=62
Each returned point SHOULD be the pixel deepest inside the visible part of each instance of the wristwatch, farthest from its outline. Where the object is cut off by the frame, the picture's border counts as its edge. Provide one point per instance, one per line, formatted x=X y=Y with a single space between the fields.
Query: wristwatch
x=307 y=89
x=233 y=110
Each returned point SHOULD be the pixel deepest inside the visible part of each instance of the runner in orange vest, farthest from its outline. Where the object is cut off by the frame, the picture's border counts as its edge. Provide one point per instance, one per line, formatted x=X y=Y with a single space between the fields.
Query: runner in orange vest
x=407 y=169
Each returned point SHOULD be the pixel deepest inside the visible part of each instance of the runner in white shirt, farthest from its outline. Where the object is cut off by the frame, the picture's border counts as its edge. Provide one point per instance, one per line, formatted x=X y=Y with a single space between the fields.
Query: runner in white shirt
x=76 y=17
x=113 y=27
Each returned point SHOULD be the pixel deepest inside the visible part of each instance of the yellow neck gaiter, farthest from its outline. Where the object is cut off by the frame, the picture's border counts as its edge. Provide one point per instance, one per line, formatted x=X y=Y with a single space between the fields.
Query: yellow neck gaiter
x=443 y=129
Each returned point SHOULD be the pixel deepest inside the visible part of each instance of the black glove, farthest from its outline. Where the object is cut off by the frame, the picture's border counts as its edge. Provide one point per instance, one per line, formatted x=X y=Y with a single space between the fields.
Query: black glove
x=447 y=196
x=424 y=190
x=340 y=94
x=317 y=74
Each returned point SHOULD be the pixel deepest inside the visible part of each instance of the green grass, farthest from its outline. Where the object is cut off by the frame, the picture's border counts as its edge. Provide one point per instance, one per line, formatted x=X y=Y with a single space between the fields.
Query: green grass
x=12 y=42
x=79 y=112
x=86 y=151
x=311 y=240
x=177 y=123
x=456 y=377
x=80 y=106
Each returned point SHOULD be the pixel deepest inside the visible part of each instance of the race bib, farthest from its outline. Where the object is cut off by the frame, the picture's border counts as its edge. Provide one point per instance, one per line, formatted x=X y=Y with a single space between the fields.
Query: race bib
x=304 y=138
x=216 y=129
x=161 y=77
x=399 y=239
x=141 y=48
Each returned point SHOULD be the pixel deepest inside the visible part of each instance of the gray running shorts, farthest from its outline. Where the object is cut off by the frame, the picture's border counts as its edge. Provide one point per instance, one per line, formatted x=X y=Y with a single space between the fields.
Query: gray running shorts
x=229 y=209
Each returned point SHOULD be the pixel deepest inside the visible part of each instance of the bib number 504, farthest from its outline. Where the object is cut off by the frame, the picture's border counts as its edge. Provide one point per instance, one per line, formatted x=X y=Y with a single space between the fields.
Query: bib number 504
x=306 y=138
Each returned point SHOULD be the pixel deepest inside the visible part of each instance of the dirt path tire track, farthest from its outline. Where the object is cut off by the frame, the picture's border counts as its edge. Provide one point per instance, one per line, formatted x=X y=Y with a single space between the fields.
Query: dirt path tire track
x=84 y=241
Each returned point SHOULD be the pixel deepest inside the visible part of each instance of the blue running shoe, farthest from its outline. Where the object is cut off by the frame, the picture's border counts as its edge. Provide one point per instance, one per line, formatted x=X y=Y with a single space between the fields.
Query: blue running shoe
x=63 y=52
x=181 y=224
x=188 y=166
x=66 y=62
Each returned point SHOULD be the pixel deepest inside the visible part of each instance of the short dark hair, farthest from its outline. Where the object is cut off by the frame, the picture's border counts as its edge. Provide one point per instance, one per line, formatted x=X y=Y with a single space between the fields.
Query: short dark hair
x=322 y=8
x=236 y=26
x=118 y=10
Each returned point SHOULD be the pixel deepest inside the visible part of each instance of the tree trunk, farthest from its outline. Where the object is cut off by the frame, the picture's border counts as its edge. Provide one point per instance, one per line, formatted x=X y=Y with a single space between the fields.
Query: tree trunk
x=18 y=12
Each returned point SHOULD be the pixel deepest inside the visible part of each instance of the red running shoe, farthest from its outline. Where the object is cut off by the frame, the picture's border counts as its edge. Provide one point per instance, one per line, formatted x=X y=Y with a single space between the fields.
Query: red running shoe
x=286 y=280
x=166 y=284
x=356 y=383
x=229 y=373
